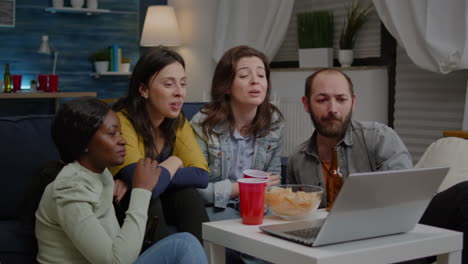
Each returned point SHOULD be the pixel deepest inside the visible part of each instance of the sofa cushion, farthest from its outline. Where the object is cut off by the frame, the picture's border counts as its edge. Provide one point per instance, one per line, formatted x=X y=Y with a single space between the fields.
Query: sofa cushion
x=190 y=109
x=17 y=243
x=26 y=145
x=17 y=238
x=17 y=258
x=450 y=152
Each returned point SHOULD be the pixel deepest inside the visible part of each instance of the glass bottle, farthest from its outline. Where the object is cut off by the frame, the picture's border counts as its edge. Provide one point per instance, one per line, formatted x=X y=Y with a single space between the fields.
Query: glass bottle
x=150 y=233
x=7 y=79
x=334 y=180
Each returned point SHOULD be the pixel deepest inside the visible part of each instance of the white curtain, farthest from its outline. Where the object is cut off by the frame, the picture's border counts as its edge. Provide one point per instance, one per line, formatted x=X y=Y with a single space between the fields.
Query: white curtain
x=261 y=24
x=433 y=32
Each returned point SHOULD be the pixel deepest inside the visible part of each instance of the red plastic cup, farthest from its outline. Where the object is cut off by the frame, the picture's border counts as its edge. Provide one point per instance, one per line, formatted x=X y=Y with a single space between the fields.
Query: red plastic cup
x=53 y=83
x=42 y=79
x=16 y=82
x=255 y=174
x=252 y=200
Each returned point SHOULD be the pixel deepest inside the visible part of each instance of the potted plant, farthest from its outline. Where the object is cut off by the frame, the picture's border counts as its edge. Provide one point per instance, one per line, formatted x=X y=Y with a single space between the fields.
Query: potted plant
x=101 y=60
x=125 y=65
x=315 y=37
x=357 y=14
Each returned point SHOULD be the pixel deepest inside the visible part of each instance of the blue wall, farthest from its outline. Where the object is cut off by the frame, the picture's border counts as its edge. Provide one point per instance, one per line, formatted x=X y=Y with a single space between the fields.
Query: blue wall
x=76 y=36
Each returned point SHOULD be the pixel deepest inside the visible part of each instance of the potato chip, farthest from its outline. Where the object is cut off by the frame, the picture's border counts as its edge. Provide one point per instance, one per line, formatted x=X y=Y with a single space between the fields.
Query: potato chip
x=286 y=202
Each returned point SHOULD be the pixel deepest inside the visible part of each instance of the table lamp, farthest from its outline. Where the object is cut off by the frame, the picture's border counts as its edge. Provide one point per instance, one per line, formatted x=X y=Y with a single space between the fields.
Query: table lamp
x=45 y=49
x=160 y=27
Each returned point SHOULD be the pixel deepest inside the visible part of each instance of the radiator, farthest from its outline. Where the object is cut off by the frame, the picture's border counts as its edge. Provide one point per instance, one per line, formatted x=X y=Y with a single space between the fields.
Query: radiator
x=299 y=126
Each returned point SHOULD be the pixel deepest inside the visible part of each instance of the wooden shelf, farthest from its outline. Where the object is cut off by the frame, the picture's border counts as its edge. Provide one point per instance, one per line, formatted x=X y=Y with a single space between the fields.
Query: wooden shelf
x=25 y=95
x=105 y=74
x=76 y=10
x=454 y=133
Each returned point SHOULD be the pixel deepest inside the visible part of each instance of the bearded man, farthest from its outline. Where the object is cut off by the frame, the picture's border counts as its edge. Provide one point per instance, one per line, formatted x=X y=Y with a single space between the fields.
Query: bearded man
x=362 y=146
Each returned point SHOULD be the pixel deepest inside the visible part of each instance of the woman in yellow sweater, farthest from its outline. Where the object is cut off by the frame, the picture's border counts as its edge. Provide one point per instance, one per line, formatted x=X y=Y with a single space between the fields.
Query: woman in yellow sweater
x=153 y=127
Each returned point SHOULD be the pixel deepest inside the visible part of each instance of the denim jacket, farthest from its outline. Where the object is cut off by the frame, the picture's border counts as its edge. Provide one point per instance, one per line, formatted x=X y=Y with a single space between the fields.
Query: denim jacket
x=218 y=152
x=366 y=147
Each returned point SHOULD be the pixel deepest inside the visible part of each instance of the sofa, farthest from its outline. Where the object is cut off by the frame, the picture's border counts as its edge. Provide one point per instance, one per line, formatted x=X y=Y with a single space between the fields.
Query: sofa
x=26 y=148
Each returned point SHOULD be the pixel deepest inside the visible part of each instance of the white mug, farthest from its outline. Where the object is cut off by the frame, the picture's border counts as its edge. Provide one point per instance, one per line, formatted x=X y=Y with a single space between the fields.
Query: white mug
x=57 y=3
x=77 y=3
x=92 y=4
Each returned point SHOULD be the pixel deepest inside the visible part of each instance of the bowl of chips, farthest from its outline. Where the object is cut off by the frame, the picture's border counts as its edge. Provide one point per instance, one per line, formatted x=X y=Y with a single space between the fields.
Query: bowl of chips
x=293 y=201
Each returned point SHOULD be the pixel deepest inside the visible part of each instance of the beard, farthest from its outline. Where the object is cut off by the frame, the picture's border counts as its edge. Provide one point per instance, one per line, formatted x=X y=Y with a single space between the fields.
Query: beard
x=331 y=126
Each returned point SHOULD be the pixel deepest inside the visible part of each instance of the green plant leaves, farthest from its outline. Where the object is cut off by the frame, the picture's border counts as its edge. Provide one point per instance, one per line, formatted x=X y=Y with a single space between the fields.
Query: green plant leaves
x=315 y=29
x=357 y=14
x=100 y=55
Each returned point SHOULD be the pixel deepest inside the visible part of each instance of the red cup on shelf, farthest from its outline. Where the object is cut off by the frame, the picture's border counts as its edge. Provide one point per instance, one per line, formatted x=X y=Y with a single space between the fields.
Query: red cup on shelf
x=16 y=82
x=252 y=200
x=53 y=83
x=42 y=79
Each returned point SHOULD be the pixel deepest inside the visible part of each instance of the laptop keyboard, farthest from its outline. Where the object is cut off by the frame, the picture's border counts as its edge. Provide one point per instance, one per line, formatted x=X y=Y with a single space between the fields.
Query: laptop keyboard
x=307 y=233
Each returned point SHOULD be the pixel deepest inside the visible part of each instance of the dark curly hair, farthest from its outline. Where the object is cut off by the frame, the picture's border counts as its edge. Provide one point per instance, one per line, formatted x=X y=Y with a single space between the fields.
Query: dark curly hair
x=74 y=125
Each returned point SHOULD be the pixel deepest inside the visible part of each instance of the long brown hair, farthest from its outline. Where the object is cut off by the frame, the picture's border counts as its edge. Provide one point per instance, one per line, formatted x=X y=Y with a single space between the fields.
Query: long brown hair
x=151 y=63
x=219 y=110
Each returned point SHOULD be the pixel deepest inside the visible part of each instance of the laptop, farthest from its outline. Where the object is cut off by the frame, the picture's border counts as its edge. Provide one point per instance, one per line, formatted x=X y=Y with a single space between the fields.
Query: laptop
x=370 y=204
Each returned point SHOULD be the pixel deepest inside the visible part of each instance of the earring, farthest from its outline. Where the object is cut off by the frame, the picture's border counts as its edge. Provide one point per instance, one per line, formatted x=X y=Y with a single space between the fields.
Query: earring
x=86 y=150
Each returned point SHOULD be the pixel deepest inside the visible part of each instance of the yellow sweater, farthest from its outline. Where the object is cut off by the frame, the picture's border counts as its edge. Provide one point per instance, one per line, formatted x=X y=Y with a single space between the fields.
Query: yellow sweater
x=186 y=146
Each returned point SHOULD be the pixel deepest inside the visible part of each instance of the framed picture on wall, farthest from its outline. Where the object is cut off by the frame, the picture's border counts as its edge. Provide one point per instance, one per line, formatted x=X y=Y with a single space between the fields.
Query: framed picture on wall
x=7 y=13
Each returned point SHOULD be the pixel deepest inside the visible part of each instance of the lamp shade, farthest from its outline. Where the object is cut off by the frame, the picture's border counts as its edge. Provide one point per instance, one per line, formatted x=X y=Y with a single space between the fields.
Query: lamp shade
x=45 y=46
x=160 y=28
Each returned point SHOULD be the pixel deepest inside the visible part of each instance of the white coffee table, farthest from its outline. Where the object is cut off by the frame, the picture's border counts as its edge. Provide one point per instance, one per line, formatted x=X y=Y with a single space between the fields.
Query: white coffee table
x=422 y=241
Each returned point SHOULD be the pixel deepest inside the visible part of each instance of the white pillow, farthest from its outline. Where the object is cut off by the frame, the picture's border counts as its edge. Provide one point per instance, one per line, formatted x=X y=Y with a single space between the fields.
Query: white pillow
x=451 y=152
